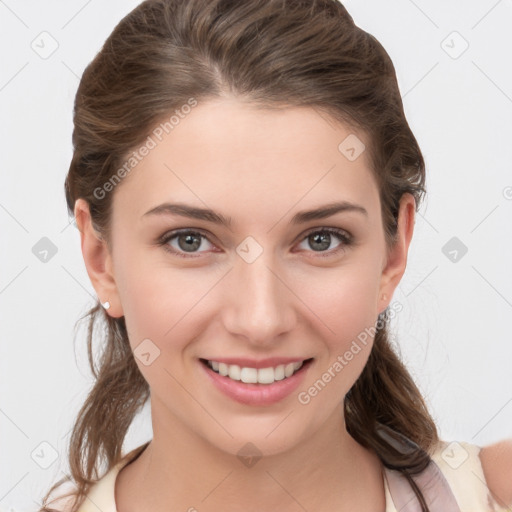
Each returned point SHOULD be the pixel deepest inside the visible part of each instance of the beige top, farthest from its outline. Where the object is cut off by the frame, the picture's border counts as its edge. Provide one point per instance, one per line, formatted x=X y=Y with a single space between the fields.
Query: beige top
x=454 y=482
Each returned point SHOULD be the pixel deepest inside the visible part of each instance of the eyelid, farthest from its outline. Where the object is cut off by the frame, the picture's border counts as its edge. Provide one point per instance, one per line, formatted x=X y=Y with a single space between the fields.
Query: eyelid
x=174 y=232
x=328 y=229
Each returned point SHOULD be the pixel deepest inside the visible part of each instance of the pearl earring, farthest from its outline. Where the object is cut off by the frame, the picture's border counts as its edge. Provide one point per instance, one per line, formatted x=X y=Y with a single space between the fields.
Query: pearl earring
x=106 y=304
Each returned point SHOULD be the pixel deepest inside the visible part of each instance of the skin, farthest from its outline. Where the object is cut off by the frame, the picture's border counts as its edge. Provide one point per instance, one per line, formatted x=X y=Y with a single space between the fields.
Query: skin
x=259 y=167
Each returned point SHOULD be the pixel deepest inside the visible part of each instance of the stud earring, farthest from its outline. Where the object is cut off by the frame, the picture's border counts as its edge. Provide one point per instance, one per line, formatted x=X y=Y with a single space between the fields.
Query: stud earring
x=106 y=304
x=384 y=296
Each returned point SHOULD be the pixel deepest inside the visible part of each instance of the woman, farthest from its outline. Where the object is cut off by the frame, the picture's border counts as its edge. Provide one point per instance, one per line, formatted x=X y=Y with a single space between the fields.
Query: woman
x=245 y=183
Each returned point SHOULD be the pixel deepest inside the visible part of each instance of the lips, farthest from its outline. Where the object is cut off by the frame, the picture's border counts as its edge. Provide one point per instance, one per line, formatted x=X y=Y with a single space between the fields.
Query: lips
x=257 y=393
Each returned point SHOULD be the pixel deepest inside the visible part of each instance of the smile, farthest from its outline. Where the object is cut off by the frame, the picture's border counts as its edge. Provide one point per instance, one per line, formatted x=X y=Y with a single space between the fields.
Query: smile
x=255 y=375
x=262 y=386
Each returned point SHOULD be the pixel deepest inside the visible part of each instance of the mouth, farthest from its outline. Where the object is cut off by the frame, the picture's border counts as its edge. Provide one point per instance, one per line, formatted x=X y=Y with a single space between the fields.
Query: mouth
x=250 y=375
x=251 y=386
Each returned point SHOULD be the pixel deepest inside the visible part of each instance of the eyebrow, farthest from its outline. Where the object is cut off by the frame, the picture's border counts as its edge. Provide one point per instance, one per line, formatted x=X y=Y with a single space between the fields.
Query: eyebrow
x=184 y=210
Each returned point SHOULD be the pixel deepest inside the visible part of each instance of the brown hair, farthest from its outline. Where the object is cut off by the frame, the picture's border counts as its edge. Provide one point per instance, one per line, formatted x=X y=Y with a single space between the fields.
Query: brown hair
x=273 y=53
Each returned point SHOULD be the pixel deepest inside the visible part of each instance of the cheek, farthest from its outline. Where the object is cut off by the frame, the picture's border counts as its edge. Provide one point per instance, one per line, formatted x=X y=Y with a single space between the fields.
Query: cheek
x=162 y=303
x=345 y=314
x=343 y=299
x=161 y=312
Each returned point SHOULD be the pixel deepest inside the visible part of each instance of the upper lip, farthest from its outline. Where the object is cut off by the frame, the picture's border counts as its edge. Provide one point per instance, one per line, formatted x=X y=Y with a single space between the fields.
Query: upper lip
x=258 y=363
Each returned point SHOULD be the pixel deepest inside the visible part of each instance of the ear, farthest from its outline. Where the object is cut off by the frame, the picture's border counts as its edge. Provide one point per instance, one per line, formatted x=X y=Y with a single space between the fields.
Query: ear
x=97 y=259
x=396 y=261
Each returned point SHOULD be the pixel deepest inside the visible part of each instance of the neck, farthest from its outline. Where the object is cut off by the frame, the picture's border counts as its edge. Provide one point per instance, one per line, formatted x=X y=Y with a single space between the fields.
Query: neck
x=182 y=471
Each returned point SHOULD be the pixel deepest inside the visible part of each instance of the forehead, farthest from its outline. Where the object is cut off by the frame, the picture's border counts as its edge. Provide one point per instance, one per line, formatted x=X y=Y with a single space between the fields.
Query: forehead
x=232 y=154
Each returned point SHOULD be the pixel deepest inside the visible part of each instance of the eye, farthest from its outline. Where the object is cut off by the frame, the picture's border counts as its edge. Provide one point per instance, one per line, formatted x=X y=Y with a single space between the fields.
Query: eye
x=321 y=239
x=184 y=243
x=187 y=241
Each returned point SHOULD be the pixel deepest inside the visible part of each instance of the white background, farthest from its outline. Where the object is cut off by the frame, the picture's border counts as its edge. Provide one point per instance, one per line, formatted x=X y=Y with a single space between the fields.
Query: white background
x=454 y=331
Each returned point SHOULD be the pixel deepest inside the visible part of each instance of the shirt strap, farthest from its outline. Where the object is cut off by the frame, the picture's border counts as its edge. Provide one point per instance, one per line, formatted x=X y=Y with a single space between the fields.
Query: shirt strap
x=432 y=483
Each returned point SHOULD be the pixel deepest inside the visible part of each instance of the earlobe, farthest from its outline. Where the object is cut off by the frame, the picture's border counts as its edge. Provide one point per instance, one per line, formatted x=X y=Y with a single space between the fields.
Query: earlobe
x=98 y=260
x=396 y=260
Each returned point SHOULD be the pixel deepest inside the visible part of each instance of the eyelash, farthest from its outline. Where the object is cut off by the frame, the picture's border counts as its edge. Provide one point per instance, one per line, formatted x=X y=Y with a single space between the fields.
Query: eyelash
x=342 y=235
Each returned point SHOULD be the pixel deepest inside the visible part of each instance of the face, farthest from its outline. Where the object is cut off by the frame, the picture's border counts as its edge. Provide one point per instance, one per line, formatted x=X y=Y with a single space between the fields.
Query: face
x=271 y=286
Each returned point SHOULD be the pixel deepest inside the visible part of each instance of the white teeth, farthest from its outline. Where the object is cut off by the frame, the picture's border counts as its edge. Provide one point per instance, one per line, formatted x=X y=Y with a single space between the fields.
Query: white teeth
x=223 y=369
x=266 y=375
x=249 y=375
x=289 y=369
x=279 y=372
x=234 y=372
x=254 y=375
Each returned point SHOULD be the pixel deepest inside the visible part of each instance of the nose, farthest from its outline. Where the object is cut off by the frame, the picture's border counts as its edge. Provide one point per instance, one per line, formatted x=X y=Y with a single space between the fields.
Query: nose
x=260 y=304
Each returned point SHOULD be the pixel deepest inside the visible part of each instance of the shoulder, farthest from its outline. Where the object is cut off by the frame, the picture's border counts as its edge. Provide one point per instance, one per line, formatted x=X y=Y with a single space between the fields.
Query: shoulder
x=496 y=462
x=478 y=477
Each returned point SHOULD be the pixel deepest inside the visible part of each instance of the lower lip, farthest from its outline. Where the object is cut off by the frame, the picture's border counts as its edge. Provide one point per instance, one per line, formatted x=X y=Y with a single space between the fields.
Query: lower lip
x=257 y=394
